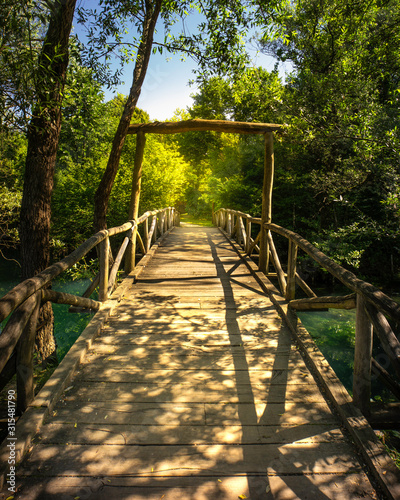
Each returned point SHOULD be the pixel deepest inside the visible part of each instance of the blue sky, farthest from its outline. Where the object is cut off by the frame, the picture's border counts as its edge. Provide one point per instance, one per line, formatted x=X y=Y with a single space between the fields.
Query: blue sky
x=166 y=87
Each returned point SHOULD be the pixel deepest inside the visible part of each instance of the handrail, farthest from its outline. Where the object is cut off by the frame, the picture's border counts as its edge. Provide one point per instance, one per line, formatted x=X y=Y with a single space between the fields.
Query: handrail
x=372 y=305
x=20 y=303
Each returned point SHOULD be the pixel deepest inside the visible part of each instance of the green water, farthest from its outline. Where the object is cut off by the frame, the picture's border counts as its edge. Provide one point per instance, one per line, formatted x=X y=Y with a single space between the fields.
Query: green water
x=67 y=326
x=334 y=331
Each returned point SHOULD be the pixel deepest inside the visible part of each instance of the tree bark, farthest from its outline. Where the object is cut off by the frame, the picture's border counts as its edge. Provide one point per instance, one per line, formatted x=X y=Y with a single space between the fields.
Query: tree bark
x=43 y=135
x=103 y=192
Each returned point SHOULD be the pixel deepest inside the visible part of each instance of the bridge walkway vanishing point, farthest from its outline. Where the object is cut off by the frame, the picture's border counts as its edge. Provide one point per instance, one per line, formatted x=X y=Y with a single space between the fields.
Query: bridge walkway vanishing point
x=193 y=390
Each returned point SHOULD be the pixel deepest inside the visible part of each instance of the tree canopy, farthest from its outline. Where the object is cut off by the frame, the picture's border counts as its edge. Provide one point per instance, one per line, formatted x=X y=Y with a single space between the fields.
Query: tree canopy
x=337 y=158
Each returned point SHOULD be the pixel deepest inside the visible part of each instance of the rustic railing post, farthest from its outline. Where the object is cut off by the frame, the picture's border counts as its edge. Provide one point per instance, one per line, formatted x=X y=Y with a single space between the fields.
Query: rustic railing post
x=146 y=235
x=154 y=220
x=161 y=221
x=266 y=210
x=362 y=357
x=236 y=228
x=24 y=362
x=168 y=222
x=232 y=227
x=104 y=267
x=167 y=219
x=291 y=271
x=248 y=235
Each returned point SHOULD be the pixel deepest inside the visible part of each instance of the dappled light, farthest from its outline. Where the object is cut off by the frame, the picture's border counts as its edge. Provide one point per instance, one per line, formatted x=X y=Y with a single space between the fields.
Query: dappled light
x=195 y=389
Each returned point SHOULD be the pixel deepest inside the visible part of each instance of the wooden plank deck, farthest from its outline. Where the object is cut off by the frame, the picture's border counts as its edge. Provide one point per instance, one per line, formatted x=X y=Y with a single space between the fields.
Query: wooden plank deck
x=194 y=390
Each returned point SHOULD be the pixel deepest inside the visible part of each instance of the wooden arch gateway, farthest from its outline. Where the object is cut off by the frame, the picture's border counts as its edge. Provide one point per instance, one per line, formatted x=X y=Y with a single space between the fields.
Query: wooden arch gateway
x=198 y=125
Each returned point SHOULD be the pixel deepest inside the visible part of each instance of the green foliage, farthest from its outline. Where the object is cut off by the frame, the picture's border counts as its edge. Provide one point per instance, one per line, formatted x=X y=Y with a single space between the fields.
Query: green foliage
x=21 y=33
x=12 y=151
x=163 y=179
x=87 y=133
x=81 y=270
x=228 y=169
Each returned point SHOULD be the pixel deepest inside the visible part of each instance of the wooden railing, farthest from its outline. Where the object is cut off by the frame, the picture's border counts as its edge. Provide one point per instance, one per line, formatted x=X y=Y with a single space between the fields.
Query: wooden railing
x=21 y=304
x=375 y=311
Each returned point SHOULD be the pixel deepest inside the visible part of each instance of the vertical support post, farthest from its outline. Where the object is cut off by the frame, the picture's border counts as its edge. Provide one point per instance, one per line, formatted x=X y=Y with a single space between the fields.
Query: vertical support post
x=161 y=221
x=291 y=271
x=24 y=362
x=266 y=211
x=169 y=218
x=154 y=219
x=104 y=267
x=362 y=358
x=146 y=235
x=248 y=235
x=135 y=197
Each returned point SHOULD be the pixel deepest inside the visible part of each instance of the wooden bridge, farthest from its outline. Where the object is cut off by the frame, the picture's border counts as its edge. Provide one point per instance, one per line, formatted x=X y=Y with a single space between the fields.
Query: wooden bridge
x=188 y=384
x=194 y=379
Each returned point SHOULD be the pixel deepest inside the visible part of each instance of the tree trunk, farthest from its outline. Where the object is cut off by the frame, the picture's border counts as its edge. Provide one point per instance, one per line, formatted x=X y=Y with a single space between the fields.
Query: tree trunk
x=103 y=192
x=43 y=136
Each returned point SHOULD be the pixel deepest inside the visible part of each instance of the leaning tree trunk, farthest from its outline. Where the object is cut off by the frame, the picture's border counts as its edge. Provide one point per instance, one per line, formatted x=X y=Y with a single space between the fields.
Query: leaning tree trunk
x=103 y=192
x=43 y=136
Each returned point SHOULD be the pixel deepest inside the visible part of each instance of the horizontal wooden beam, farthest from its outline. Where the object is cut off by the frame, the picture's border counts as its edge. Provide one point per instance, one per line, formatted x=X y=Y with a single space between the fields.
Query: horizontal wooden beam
x=69 y=299
x=331 y=302
x=198 y=125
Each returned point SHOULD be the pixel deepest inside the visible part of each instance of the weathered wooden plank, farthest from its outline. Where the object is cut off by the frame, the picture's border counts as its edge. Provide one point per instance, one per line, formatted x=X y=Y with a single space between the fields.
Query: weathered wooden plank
x=134 y=374
x=84 y=390
x=187 y=349
x=111 y=336
x=197 y=362
x=258 y=413
x=164 y=460
x=224 y=487
x=107 y=433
